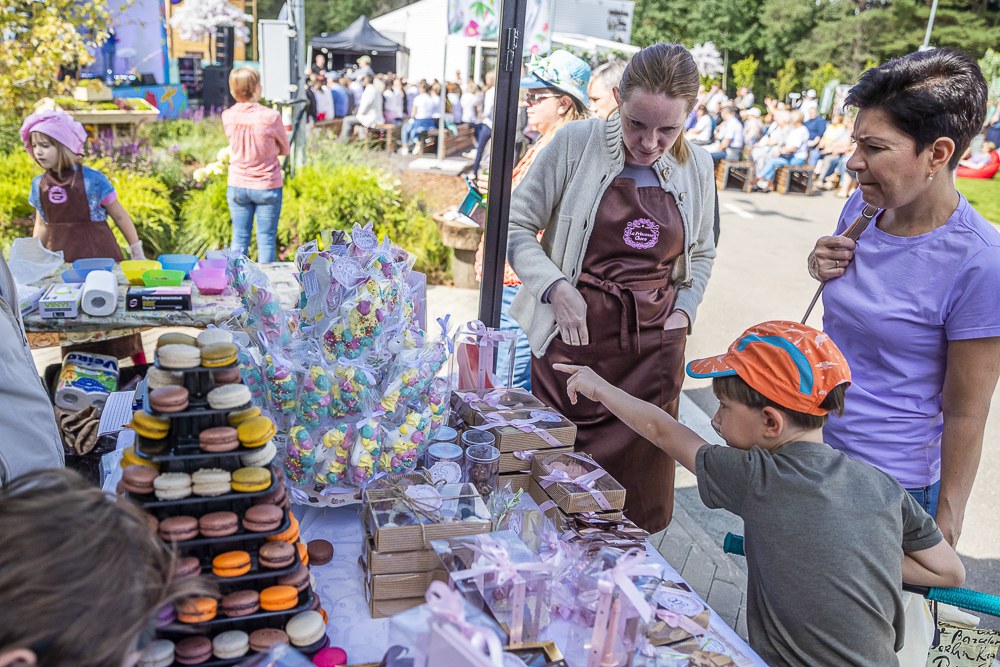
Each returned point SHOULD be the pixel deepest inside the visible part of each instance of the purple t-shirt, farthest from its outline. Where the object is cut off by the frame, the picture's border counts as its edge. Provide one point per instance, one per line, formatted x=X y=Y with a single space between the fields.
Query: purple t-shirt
x=892 y=314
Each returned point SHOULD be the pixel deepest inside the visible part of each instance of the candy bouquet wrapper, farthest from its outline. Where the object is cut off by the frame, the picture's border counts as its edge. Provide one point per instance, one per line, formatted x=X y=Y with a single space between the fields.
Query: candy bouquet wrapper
x=566 y=562
x=404 y=442
x=498 y=570
x=613 y=607
x=321 y=293
x=261 y=304
x=360 y=324
x=300 y=456
x=445 y=608
x=366 y=449
x=282 y=386
x=353 y=388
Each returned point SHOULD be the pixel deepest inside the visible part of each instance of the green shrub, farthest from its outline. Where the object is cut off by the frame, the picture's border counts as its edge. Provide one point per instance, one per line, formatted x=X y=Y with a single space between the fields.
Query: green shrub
x=205 y=219
x=147 y=200
x=10 y=136
x=193 y=140
x=16 y=214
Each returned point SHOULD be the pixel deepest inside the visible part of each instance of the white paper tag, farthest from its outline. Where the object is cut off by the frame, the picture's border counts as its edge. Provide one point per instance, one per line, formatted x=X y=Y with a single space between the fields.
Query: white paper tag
x=347 y=271
x=310 y=285
x=449 y=471
x=364 y=239
x=547 y=417
x=678 y=601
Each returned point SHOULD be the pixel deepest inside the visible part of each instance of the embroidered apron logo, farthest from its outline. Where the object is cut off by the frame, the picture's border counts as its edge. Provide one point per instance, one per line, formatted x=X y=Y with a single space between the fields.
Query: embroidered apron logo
x=57 y=194
x=642 y=233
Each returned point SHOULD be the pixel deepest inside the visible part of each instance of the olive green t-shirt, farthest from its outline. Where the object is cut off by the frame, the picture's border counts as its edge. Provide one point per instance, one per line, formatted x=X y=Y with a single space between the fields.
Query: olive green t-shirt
x=825 y=536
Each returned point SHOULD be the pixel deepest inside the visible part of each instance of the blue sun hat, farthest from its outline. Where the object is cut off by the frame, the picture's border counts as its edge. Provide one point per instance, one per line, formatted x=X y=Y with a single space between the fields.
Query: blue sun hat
x=562 y=70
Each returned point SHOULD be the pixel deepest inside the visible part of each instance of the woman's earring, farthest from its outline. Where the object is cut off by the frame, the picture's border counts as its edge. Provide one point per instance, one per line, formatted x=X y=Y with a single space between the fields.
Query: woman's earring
x=931 y=177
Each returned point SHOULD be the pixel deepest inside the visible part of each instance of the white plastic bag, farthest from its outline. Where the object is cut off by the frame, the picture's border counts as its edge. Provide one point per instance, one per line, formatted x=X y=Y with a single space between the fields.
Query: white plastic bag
x=30 y=261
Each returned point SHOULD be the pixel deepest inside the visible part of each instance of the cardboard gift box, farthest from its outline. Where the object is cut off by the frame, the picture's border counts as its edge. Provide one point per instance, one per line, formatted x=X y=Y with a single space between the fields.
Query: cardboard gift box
x=576 y=483
x=519 y=481
x=470 y=406
x=560 y=519
x=399 y=562
x=521 y=461
x=61 y=300
x=389 y=608
x=407 y=516
x=523 y=430
x=403 y=586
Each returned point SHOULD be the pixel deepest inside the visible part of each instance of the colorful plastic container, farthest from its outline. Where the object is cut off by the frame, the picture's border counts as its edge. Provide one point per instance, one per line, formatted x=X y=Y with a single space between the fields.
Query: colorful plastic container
x=89 y=264
x=178 y=262
x=162 y=278
x=133 y=269
x=210 y=263
x=74 y=276
x=209 y=281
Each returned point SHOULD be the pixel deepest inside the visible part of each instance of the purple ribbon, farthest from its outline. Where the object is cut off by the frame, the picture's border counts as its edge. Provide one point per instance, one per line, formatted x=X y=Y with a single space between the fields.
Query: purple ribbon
x=495 y=420
x=584 y=482
x=447 y=606
x=675 y=620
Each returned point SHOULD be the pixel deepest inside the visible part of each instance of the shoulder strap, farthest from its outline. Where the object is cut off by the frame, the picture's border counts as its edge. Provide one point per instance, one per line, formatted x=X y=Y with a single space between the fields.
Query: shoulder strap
x=853 y=232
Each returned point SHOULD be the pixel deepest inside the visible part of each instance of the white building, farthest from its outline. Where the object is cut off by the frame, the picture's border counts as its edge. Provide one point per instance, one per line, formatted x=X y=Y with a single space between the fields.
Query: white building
x=423 y=28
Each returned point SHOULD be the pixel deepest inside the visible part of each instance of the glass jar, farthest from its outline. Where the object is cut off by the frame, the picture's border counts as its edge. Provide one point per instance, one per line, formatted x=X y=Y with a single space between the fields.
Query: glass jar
x=482 y=468
x=473 y=437
x=444 y=462
x=446 y=434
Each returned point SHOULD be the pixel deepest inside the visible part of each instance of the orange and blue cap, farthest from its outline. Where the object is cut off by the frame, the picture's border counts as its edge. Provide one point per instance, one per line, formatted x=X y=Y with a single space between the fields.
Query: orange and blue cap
x=792 y=364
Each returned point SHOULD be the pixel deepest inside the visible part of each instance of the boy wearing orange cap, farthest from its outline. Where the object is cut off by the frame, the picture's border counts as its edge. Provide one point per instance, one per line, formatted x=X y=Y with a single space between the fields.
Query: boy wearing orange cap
x=829 y=539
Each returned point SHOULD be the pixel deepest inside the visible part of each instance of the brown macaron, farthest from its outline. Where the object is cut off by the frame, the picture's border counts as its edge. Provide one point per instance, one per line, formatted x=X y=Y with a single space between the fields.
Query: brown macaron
x=263 y=518
x=218 y=524
x=178 y=529
x=187 y=567
x=240 y=603
x=139 y=479
x=168 y=399
x=193 y=650
x=263 y=639
x=299 y=578
x=218 y=439
x=226 y=376
x=316 y=602
x=320 y=552
x=276 y=555
x=278 y=497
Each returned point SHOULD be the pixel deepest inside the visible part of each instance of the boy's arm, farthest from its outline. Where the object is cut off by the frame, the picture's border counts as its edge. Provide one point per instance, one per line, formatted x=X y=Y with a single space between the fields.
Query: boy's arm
x=644 y=418
x=937 y=566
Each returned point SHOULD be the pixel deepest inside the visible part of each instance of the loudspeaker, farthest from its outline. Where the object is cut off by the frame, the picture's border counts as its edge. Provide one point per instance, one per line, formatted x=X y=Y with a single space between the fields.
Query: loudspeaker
x=215 y=88
x=225 y=45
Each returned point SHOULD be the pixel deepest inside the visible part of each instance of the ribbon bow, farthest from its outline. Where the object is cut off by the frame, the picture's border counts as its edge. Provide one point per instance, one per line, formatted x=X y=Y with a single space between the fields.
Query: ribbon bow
x=632 y=564
x=585 y=482
x=675 y=620
x=360 y=365
x=447 y=606
x=445 y=324
x=488 y=340
x=496 y=420
x=490 y=398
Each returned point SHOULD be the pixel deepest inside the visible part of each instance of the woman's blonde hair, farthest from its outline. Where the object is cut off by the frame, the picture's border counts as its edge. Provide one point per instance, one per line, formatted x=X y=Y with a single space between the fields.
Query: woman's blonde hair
x=664 y=69
x=81 y=575
x=243 y=83
x=67 y=159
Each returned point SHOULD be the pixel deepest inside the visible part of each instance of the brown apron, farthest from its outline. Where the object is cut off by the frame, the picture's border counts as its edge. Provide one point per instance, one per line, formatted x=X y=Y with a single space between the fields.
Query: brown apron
x=67 y=217
x=638 y=234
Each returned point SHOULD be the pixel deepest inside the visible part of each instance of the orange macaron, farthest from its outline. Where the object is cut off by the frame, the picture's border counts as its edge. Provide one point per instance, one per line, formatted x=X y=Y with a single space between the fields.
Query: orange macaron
x=197 y=610
x=231 y=564
x=303 y=552
x=279 y=598
x=290 y=535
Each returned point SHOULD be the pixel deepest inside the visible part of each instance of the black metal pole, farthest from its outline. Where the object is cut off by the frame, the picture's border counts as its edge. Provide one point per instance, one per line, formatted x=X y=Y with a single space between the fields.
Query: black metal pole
x=510 y=42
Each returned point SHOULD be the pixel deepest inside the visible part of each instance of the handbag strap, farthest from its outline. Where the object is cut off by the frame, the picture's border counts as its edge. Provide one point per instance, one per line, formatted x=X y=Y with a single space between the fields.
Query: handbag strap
x=853 y=232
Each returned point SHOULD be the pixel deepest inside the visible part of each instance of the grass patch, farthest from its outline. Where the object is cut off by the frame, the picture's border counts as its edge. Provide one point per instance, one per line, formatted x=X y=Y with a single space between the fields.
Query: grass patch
x=984 y=195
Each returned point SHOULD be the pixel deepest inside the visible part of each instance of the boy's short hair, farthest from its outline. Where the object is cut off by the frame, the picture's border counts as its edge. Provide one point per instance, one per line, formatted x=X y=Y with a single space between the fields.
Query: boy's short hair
x=735 y=388
x=243 y=83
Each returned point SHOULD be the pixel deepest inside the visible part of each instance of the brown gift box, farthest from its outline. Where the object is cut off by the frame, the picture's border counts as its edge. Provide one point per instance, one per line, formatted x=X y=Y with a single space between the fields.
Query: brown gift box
x=513 y=399
x=559 y=518
x=571 y=498
x=387 y=608
x=513 y=439
x=383 y=506
x=510 y=462
x=400 y=562
x=403 y=586
x=518 y=481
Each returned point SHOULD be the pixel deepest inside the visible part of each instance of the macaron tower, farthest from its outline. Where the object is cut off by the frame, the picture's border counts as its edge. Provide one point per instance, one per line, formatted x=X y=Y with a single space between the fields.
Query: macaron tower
x=190 y=470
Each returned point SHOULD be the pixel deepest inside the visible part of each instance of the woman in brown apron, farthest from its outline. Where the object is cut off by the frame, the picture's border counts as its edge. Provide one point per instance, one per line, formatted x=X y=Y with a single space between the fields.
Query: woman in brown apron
x=627 y=209
x=73 y=203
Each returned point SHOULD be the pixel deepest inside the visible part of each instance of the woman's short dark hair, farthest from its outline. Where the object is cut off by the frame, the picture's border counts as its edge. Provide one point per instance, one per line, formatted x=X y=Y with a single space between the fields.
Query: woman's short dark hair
x=927 y=95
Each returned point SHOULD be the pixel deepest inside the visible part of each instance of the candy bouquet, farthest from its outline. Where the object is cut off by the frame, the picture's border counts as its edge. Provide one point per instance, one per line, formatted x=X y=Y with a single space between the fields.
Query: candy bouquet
x=347 y=376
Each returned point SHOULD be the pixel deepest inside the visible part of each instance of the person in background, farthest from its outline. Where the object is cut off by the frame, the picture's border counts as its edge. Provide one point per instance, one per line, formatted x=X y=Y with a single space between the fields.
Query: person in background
x=745 y=100
x=311 y=109
x=370 y=112
x=715 y=98
x=809 y=102
x=701 y=133
x=364 y=68
x=454 y=104
x=357 y=89
x=341 y=96
x=82 y=575
x=555 y=96
x=486 y=127
x=421 y=119
x=730 y=145
x=817 y=127
x=978 y=161
x=602 y=84
x=436 y=100
x=72 y=205
x=256 y=138
x=993 y=128
x=472 y=106
x=793 y=152
x=395 y=102
x=832 y=136
x=319 y=66
x=914 y=304
x=324 y=100
x=752 y=127
x=29 y=436
x=412 y=90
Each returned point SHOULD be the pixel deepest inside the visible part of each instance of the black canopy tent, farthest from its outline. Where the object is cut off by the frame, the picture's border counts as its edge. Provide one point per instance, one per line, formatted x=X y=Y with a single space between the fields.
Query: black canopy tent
x=358 y=39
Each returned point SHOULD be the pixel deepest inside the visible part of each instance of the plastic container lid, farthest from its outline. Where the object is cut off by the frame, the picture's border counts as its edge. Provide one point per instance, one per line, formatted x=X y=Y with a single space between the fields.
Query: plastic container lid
x=473 y=437
x=446 y=451
x=446 y=434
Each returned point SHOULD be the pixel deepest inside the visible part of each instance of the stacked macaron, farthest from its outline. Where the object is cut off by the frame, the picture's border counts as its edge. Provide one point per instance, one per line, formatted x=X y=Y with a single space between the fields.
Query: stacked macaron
x=229 y=397
x=168 y=399
x=307 y=632
x=218 y=439
x=255 y=431
x=211 y=482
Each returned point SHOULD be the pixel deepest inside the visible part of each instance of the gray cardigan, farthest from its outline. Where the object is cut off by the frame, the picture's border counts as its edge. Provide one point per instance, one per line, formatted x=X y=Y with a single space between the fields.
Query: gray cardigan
x=560 y=195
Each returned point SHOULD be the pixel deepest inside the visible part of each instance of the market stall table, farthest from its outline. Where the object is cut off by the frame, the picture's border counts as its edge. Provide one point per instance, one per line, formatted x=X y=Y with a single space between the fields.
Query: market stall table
x=206 y=309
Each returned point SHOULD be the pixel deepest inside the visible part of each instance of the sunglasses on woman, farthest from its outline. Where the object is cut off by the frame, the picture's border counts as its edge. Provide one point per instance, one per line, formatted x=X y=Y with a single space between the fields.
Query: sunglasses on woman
x=534 y=98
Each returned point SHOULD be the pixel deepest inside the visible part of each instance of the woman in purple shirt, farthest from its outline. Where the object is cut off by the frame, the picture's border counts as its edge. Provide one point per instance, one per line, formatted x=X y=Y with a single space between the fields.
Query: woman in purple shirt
x=915 y=304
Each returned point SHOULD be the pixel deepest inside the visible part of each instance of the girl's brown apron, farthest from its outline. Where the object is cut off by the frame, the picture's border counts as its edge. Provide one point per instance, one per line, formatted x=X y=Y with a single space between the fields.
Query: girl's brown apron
x=638 y=234
x=67 y=217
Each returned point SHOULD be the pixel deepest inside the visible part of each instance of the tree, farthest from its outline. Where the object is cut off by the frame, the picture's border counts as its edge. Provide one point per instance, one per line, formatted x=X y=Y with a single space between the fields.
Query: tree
x=745 y=71
x=822 y=76
x=786 y=80
x=197 y=19
x=36 y=38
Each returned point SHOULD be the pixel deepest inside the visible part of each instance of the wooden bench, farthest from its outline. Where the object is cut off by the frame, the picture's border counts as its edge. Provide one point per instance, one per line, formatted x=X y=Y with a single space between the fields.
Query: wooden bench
x=328 y=125
x=387 y=134
x=734 y=175
x=789 y=180
x=453 y=144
